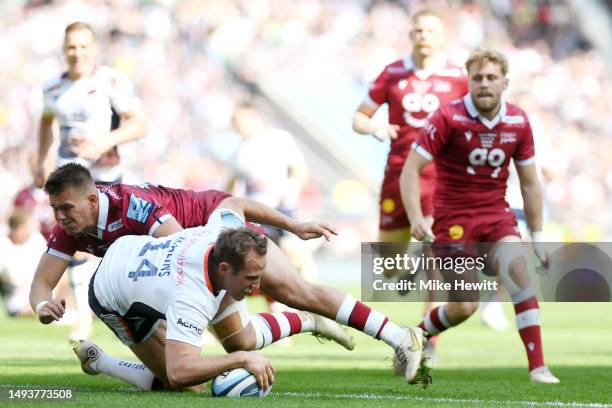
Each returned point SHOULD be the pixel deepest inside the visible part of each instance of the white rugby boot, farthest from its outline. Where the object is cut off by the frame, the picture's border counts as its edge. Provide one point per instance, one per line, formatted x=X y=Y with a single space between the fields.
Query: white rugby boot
x=88 y=353
x=543 y=375
x=492 y=315
x=331 y=330
x=409 y=353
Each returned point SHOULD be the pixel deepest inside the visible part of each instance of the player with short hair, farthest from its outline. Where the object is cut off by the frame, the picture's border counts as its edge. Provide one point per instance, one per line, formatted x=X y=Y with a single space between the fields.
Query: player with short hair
x=413 y=88
x=82 y=101
x=183 y=279
x=91 y=218
x=472 y=140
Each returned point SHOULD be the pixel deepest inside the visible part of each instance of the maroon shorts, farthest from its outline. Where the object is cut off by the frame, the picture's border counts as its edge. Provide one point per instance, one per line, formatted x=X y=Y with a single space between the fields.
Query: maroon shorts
x=391 y=208
x=475 y=225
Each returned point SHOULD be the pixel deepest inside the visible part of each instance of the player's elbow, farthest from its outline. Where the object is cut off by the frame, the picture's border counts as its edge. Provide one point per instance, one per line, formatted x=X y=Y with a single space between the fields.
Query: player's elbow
x=178 y=377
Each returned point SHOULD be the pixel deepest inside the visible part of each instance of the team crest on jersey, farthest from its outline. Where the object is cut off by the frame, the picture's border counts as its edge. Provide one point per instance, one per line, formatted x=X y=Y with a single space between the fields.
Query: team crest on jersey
x=487 y=139
x=507 y=137
x=468 y=136
x=388 y=205
x=139 y=209
x=402 y=84
x=114 y=226
x=455 y=232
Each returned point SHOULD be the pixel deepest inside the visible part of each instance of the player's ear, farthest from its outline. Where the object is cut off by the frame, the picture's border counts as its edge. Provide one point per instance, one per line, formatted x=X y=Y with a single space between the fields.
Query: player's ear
x=506 y=82
x=93 y=199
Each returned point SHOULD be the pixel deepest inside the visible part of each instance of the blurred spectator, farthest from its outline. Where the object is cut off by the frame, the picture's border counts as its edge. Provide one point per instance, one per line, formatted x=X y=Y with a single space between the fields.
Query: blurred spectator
x=17 y=270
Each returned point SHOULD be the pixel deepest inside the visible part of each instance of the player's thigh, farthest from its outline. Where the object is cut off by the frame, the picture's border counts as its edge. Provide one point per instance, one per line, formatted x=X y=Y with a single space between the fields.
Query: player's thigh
x=281 y=280
x=152 y=352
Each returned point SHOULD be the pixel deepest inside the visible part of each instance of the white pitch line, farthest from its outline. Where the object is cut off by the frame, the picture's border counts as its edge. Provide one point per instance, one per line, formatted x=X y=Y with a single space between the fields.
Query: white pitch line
x=448 y=400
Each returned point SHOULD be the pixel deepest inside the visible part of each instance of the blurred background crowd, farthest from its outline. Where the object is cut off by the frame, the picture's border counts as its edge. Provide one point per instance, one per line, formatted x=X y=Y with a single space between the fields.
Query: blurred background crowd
x=305 y=65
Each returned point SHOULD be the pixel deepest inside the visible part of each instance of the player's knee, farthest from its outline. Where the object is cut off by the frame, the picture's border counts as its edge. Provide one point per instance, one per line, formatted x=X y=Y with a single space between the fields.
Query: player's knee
x=239 y=341
x=462 y=310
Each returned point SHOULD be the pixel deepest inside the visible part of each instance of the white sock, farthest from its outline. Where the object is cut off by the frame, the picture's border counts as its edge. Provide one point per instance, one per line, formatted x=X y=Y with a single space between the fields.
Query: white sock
x=133 y=372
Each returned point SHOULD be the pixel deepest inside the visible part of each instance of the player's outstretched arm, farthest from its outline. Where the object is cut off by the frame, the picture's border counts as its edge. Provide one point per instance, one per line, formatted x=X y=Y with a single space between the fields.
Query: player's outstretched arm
x=48 y=273
x=410 y=190
x=185 y=366
x=255 y=211
x=168 y=227
x=365 y=125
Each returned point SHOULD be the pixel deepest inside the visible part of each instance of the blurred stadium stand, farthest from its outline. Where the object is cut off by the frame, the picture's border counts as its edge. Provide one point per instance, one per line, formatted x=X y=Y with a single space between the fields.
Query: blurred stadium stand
x=310 y=61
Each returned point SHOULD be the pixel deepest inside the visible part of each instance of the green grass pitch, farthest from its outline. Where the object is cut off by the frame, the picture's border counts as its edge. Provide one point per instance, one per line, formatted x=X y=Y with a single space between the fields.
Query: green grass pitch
x=478 y=367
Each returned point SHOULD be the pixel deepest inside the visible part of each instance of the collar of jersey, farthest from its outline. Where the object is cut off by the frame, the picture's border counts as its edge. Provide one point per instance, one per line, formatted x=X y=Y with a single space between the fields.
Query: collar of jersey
x=207 y=271
x=102 y=213
x=423 y=73
x=490 y=124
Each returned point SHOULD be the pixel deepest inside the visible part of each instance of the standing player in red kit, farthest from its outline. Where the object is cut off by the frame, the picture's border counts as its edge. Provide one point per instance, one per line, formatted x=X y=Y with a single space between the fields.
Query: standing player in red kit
x=472 y=140
x=414 y=88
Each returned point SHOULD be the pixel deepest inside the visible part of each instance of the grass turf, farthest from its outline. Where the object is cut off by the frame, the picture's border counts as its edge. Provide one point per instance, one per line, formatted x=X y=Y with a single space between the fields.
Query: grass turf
x=478 y=367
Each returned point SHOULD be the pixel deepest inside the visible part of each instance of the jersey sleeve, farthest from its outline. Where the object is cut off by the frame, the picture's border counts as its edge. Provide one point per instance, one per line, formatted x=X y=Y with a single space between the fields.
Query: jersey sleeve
x=143 y=214
x=433 y=136
x=186 y=323
x=525 y=150
x=61 y=244
x=210 y=200
x=122 y=95
x=377 y=91
x=48 y=97
x=223 y=218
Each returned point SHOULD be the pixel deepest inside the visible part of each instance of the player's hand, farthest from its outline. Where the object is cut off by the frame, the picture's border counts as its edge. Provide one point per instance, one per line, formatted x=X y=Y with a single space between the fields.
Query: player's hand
x=38 y=173
x=261 y=368
x=311 y=230
x=51 y=310
x=89 y=149
x=385 y=132
x=539 y=248
x=421 y=229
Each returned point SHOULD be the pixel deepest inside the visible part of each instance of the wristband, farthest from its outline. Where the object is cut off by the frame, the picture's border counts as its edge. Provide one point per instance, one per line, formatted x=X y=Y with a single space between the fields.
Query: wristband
x=40 y=305
x=536 y=236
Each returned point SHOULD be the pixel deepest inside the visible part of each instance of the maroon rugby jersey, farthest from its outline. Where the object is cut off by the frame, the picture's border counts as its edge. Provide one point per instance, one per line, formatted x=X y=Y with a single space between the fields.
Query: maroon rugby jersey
x=136 y=210
x=472 y=153
x=413 y=95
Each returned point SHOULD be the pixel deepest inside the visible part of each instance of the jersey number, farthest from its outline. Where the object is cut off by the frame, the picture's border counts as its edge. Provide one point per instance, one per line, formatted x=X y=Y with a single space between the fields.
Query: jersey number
x=146 y=267
x=414 y=102
x=481 y=156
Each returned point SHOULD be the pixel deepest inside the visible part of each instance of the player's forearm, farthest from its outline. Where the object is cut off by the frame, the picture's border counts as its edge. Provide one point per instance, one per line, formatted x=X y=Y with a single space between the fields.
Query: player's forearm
x=262 y=214
x=410 y=190
x=363 y=124
x=40 y=291
x=532 y=202
x=45 y=139
x=133 y=127
x=192 y=371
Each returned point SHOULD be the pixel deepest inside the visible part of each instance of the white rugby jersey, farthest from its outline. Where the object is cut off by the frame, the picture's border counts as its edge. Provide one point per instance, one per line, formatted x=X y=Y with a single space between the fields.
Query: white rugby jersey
x=169 y=275
x=83 y=110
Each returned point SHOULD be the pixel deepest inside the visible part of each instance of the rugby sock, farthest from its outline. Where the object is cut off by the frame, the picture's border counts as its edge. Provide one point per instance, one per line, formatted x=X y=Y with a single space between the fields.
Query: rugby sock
x=355 y=314
x=528 y=324
x=271 y=327
x=435 y=321
x=133 y=372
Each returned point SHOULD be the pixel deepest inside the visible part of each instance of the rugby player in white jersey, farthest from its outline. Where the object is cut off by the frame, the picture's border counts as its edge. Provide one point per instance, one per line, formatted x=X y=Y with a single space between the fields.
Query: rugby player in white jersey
x=183 y=279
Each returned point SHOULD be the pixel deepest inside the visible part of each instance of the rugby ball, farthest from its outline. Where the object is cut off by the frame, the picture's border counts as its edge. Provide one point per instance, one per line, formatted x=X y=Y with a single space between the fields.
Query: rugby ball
x=237 y=383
